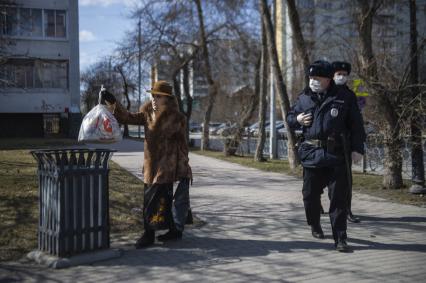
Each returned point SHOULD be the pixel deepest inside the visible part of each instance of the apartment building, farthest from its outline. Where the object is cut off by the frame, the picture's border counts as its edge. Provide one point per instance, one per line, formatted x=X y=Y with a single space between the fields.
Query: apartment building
x=39 y=69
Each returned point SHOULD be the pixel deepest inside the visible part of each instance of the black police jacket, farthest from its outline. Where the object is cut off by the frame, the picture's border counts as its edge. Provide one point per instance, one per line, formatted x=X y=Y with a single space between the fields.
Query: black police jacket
x=336 y=117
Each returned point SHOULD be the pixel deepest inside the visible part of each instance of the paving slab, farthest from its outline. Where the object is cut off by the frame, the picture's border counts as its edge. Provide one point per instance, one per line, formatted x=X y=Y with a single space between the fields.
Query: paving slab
x=256 y=232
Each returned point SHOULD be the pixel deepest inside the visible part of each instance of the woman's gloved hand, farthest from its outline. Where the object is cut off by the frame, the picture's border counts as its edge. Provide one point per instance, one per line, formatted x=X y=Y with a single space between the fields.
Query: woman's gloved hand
x=108 y=98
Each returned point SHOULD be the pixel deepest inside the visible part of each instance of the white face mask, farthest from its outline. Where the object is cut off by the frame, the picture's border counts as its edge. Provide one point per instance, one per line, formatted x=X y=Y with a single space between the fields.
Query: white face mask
x=340 y=79
x=315 y=85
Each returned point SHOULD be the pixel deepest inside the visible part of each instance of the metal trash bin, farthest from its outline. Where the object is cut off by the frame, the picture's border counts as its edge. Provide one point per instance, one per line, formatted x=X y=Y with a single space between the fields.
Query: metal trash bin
x=73 y=200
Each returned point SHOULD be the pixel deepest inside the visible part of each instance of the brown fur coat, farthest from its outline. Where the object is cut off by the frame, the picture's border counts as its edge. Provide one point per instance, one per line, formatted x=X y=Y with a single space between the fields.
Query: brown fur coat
x=165 y=147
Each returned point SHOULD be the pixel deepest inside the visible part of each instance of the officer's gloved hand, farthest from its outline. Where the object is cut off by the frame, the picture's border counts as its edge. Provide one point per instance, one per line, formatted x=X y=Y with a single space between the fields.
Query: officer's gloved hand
x=356 y=157
x=304 y=119
x=108 y=98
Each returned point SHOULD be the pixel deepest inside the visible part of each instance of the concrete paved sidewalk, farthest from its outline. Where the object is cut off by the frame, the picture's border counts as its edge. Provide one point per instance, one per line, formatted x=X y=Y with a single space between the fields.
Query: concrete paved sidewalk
x=256 y=232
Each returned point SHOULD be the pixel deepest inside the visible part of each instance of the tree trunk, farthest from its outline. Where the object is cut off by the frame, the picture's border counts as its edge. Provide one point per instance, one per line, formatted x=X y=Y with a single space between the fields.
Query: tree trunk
x=298 y=35
x=213 y=88
x=126 y=95
x=280 y=87
x=232 y=145
x=263 y=88
x=418 y=170
x=188 y=98
x=176 y=90
x=392 y=178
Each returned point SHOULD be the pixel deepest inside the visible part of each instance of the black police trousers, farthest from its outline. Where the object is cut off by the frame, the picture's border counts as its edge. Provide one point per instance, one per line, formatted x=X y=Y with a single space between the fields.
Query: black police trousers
x=314 y=182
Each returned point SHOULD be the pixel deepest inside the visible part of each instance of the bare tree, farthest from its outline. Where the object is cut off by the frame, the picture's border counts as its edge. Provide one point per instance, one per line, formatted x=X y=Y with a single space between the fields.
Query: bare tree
x=96 y=75
x=180 y=75
x=418 y=170
x=232 y=144
x=213 y=88
x=169 y=43
x=298 y=35
x=123 y=66
x=280 y=87
x=386 y=107
x=263 y=88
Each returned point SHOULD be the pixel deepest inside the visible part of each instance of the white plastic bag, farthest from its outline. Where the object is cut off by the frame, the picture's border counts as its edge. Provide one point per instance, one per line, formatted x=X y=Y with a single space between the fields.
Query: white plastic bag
x=100 y=125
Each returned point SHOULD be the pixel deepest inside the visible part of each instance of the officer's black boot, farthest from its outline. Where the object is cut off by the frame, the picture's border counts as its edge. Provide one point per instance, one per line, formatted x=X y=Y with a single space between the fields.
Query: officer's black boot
x=352 y=218
x=171 y=235
x=317 y=231
x=340 y=241
x=342 y=246
x=147 y=239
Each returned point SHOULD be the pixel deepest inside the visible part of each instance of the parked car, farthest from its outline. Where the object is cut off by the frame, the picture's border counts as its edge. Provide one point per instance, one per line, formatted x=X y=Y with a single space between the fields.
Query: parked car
x=195 y=127
x=212 y=127
x=214 y=130
x=278 y=125
x=283 y=132
x=228 y=130
x=255 y=128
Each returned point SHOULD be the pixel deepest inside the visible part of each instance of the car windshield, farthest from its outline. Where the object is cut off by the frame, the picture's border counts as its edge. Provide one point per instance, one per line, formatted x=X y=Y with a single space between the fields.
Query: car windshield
x=254 y=126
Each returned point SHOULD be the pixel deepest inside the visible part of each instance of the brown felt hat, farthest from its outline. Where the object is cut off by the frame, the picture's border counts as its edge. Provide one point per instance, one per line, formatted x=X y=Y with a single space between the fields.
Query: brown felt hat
x=162 y=88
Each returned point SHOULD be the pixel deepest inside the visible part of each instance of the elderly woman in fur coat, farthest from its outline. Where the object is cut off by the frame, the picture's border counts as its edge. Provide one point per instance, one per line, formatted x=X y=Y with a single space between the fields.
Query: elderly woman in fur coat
x=165 y=161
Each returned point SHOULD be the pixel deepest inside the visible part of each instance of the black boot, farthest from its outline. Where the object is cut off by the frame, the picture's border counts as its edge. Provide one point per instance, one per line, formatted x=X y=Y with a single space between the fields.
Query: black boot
x=342 y=246
x=189 y=218
x=317 y=231
x=147 y=239
x=352 y=218
x=171 y=235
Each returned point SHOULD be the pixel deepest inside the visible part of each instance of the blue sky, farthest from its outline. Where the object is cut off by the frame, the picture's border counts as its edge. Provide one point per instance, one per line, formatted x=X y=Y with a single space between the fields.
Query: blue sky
x=102 y=24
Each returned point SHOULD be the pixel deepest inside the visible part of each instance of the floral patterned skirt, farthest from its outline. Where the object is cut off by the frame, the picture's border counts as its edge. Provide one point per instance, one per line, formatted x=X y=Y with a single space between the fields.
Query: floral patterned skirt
x=158 y=206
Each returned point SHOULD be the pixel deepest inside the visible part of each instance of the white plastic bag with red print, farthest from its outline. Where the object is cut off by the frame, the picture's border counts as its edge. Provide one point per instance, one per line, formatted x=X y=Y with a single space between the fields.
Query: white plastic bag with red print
x=100 y=126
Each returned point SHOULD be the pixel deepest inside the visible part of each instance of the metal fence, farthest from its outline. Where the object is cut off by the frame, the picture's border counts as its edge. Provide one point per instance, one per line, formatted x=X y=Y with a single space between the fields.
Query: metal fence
x=374 y=155
x=73 y=200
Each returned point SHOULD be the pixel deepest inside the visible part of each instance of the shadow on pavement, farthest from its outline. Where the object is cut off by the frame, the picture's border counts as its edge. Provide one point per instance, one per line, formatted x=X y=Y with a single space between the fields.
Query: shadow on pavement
x=195 y=252
x=404 y=219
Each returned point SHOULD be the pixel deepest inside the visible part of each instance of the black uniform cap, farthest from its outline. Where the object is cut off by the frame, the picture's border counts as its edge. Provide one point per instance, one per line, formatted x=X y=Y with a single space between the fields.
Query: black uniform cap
x=321 y=68
x=341 y=66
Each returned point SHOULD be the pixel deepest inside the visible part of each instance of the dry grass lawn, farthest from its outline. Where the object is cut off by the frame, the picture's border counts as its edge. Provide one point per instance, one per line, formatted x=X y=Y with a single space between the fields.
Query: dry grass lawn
x=19 y=196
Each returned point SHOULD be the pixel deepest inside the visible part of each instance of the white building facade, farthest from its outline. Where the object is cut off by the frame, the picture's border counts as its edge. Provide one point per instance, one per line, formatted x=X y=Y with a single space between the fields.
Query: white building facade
x=39 y=69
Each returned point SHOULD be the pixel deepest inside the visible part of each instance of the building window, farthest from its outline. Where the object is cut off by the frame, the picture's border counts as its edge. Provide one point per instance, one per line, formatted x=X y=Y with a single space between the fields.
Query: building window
x=9 y=21
x=52 y=74
x=28 y=22
x=60 y=24
x=29 y=74
x=37 y=22
x=55 y=23
x=49 y=23
x=25 y=25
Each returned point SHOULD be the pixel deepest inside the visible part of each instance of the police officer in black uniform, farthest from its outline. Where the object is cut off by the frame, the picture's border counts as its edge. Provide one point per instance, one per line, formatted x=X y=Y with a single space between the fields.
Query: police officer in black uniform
x=342 y=71
x=329 y=117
